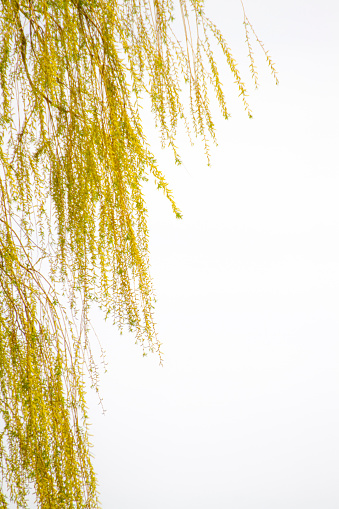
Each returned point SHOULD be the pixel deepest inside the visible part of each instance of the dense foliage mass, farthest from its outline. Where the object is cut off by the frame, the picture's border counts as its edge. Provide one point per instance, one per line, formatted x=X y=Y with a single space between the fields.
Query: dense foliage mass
x=73 y=229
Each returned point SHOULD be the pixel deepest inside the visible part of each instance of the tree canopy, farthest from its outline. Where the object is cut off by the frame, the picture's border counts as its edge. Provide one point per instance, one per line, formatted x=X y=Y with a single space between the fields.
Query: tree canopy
x=73 y=224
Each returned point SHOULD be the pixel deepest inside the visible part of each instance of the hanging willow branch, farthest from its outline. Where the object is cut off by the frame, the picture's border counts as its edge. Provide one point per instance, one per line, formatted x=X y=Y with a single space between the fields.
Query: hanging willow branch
x=73 y=225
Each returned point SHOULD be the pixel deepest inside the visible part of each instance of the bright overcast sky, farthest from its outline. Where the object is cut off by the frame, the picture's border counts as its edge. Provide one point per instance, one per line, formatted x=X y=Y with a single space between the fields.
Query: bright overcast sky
x=245 y=412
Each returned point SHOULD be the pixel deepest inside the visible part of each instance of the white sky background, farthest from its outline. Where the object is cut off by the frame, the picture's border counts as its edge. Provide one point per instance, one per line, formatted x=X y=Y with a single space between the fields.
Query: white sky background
x=245 y=412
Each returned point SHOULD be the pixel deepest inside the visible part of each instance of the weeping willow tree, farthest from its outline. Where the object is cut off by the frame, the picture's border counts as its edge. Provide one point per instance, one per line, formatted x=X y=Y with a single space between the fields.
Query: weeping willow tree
x=73 y=225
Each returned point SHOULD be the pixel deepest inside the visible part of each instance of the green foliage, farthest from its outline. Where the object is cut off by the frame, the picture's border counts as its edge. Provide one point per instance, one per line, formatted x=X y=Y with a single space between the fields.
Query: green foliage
x=73 y=225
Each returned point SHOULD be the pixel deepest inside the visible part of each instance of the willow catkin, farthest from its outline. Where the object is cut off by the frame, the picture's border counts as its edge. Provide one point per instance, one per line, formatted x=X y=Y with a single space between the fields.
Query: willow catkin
x=73 y=225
